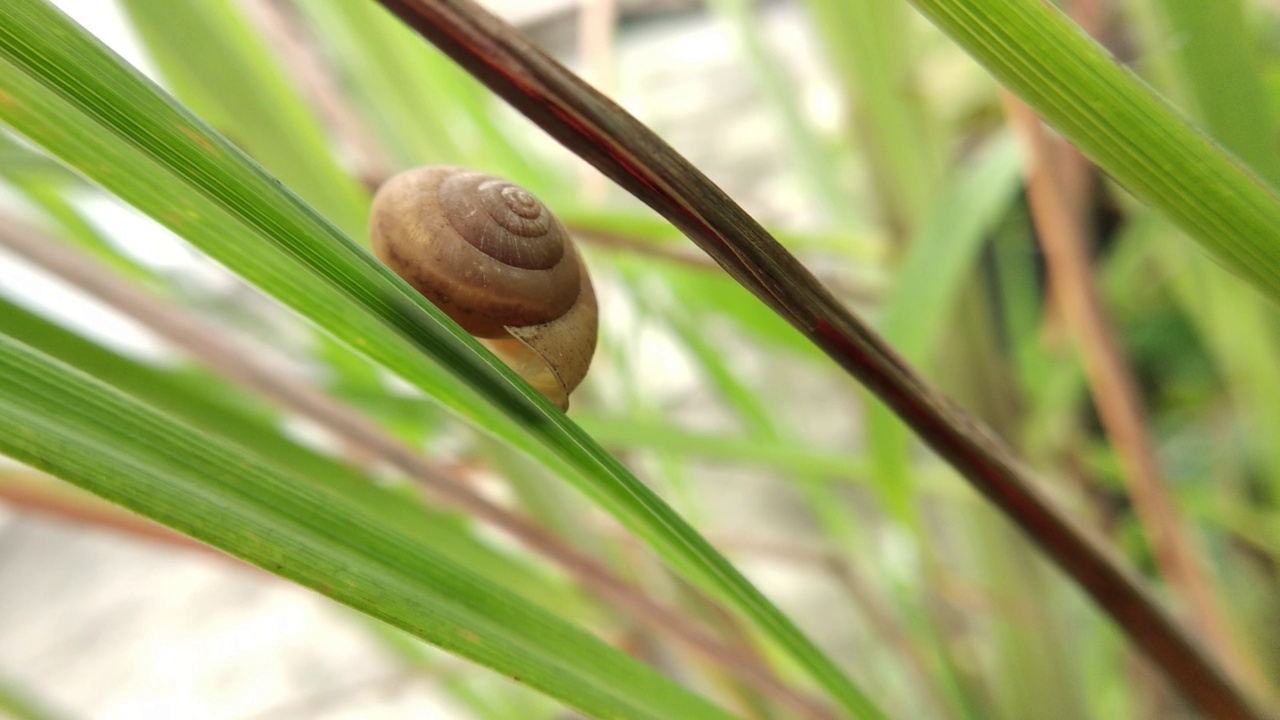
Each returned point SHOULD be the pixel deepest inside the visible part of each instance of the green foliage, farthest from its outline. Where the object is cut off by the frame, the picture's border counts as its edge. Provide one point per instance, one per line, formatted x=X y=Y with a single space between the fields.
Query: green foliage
x=939 y=610
x=73 y=97
x=345 y=539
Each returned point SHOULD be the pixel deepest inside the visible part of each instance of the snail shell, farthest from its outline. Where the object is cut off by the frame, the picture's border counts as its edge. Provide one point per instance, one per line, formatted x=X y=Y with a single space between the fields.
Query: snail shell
x=496 y=261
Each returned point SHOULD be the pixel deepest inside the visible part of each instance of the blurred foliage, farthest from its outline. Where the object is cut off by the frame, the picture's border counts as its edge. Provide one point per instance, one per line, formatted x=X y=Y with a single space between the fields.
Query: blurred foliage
x=920 y=222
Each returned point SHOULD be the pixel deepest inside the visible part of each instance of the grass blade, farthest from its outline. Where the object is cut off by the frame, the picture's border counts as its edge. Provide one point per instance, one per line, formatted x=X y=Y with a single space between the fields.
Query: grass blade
x=1071 y=82
x=632 y=155
x=366 y=439
x=819 y=168
x=210 y=57
x=329 y=536
x=925 y=291
x=15 y=703
x=220 y=410
x=868 y=42
x=1215 y=52
x=67 y=92
x=422 y=106
x=1221 y=77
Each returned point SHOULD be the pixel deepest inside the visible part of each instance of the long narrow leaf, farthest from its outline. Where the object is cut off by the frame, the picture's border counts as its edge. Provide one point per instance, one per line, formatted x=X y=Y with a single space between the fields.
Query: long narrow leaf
x=209 y=404
x=209 y=56
x=927 y=288
x=1072 y=83
x=65 y=423
x=67 y=92
x=1227 y=92
x=632 y=155
x=424 y=107
x=868 y=42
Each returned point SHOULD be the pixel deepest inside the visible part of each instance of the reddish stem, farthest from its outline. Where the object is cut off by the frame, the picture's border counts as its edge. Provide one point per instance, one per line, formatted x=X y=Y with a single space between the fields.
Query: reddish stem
x=633 y=156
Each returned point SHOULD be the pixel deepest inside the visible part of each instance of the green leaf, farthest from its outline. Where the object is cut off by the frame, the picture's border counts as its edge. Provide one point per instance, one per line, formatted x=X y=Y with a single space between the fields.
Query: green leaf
x=820 y=169
x=210 y=405
x=1215 y=50
x=1221 y=77
x=755 y=450
x=46 y=183
x=219 y=68
x=927 y=287
x=425 y=109
x=329 y=535
x=17 y=704
x=1123 y=126
x=868 y=43
x=67 y=92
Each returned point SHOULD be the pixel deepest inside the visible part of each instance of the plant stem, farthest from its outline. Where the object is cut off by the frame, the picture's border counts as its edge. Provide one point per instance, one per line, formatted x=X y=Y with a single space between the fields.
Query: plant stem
x=1062 y=235
x=633 y=156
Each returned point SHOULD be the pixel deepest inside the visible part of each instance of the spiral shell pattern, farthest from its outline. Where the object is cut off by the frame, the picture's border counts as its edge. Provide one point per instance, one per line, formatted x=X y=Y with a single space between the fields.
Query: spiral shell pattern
x=484 y=250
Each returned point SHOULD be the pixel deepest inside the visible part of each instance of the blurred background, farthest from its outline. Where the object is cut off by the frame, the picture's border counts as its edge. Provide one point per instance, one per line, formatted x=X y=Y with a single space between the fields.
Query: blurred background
x=1133 y=375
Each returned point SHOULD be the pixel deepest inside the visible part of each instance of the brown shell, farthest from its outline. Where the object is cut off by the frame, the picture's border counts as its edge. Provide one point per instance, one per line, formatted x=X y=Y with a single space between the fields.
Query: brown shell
x=494 y=259
x=554 y=357
x=485 y=251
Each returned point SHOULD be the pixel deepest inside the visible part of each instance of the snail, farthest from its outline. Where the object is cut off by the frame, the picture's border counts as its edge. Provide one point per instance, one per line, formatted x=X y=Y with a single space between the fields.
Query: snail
x=495 y=260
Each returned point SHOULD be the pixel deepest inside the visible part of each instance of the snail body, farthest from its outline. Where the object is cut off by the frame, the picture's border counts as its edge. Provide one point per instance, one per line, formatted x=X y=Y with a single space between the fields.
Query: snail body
x=496 y=261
